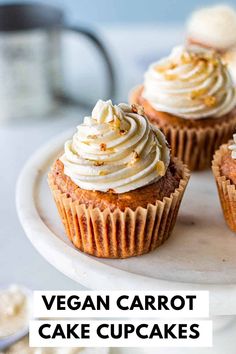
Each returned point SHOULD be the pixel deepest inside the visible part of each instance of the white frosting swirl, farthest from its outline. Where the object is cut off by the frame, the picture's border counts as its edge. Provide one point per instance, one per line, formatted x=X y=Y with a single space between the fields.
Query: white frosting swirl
x=233 y=148
x=214 y=26
x=115 y=149
x=191 y=83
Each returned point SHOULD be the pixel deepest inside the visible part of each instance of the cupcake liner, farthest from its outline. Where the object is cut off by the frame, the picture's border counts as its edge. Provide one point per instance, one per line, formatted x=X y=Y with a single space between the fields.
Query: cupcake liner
x=226 y=189
x=195 y=146
x=119 y=234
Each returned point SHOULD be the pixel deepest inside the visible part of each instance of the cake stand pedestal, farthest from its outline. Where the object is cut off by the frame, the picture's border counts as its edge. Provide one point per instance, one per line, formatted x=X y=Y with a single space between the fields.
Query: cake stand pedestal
x=200 y=254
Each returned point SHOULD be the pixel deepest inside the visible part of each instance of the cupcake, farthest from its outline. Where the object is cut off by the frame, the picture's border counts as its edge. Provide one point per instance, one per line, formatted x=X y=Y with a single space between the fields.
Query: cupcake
x=116 y=187
x=190 y=97
x=215 y=27
x=224 y=170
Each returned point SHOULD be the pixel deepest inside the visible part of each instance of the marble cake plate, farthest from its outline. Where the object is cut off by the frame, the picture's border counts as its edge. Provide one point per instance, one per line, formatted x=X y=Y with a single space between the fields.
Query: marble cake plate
x=200 y=254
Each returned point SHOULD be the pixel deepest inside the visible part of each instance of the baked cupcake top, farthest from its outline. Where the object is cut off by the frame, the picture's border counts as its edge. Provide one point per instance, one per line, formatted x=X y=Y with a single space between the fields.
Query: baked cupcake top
x=228 y=161
x=233 y=148
x=191 y=83
x=213 y=26
x=115 y=149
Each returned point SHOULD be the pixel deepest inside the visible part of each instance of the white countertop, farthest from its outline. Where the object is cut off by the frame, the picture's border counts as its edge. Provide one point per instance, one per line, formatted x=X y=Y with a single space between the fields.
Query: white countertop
x=132 y=49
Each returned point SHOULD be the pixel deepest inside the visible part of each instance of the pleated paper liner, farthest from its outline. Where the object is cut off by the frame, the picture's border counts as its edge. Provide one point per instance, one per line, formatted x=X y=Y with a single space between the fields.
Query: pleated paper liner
x=194 y=146
x=119 y=234
x=226 y=189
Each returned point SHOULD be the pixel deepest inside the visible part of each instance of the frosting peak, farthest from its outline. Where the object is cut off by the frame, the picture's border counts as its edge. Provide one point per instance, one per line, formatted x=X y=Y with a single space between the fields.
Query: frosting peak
x=105 y=112
x=115 y=149
x=233 y=147
x=191 y=83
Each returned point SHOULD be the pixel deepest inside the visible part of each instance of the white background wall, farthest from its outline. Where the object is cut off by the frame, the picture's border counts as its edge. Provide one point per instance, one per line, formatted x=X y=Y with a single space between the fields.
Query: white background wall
x=97 y=11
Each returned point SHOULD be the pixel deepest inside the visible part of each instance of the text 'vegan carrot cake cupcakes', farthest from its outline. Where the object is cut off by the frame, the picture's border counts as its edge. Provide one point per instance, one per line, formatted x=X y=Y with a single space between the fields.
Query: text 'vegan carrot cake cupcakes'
x=190 y=97
x=116 y=188
x=224 y=170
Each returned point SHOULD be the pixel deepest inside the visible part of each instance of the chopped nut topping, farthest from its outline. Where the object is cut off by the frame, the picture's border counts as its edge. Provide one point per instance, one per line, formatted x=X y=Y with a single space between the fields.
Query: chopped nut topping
x=123 y=131
x=173 y=66
x=98 y=163
x=161 y=168
x=134 y=108
x=137 y=109
x=163 y=68
x=215 y=62
x=197 y=93
x=92 y=136
x=103 y=147
x=210 y=101
x=141 y=111
x=135 y=157
x=115 y=123
x=111 y=190
x=186 y=57
x=202 y=61
x=102 y=173
x=170 y=77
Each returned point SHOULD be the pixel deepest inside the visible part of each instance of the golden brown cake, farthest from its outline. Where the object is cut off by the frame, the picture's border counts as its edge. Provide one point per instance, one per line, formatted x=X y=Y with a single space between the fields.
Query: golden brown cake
x=116 y=188
x=224 y=170
x=140 y=197
x=191 y=98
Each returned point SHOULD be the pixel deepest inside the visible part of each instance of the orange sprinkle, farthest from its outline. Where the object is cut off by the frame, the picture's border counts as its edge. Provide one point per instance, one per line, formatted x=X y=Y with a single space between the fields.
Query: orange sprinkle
x=102 y=173
x=123 y=132
x=103 y=147
x=210 y=101
x=98 y=163
x=197 y=93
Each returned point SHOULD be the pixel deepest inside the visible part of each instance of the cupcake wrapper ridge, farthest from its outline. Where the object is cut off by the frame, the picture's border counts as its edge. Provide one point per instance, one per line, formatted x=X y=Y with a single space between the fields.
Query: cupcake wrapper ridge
x=196 y=147
x=119 y=234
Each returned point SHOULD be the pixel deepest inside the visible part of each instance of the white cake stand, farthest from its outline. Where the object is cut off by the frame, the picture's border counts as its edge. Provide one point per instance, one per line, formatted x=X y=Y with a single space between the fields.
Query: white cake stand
x=200 y=254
